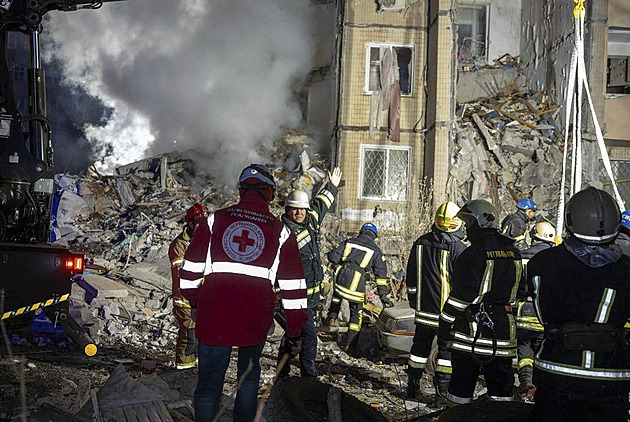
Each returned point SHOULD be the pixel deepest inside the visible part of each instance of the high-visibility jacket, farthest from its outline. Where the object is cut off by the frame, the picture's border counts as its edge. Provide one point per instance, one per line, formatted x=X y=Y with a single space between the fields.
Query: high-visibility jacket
x=515 y=226
x=526 y=318
x=355 y=257
x=429 y=272
x=306 y=234
x=487 y=273
x=236 y=259
x=176 y=252
x=566 y=290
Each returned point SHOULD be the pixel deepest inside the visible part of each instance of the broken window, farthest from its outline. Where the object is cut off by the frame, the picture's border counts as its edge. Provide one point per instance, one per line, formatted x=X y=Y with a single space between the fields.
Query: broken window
x=472 y=32
x=375 y=53
x=618 y=74
x=385 y=173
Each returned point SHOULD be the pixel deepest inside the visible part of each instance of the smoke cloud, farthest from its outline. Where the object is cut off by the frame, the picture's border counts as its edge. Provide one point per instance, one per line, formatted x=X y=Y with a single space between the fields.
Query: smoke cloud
x=214 y=75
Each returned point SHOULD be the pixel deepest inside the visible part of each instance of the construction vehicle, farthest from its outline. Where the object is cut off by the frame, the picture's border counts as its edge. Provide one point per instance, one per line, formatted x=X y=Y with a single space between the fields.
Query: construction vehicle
x=34 y=274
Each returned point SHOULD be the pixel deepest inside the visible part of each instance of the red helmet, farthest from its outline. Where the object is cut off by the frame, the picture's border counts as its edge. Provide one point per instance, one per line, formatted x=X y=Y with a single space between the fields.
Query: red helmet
x=196 y=213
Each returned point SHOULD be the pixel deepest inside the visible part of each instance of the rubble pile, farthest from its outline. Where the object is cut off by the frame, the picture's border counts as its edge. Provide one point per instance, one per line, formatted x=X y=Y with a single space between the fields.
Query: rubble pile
x=506 y=149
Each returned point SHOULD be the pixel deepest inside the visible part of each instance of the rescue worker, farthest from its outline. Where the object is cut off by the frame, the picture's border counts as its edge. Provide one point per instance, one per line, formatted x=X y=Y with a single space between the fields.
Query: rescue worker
x=236 y=259
x=355 y=257
x=582 y=298
x=428 y=279
x=305 y=219
x=476 y=323
x=623 y=239
x=516 y=225
x=529 y=332
x=186 y=346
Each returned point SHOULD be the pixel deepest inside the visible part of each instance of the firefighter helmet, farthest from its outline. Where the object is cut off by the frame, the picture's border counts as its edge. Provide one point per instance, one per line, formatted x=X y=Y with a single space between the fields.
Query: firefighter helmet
x=446 y=217
x=592 y=216
x=482 y=211
x=526 y=204
x=543 y=231
x=625 y=219
x=297 y=199
x=369 y=227
x=196 y=213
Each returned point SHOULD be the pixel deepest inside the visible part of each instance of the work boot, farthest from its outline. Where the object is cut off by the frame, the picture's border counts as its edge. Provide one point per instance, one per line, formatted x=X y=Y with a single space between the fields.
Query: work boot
x=413 y=384
x=441 y=390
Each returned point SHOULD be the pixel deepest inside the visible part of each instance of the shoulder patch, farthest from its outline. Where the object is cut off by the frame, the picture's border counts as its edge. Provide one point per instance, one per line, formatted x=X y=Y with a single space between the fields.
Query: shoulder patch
x=243 y=241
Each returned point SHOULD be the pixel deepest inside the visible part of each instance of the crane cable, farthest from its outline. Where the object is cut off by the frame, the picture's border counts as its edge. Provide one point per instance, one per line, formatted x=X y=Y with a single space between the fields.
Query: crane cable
x=576 y=87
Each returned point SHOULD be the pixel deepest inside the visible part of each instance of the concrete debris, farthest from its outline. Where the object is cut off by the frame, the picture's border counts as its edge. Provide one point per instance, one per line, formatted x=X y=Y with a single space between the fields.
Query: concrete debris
x=505 y=149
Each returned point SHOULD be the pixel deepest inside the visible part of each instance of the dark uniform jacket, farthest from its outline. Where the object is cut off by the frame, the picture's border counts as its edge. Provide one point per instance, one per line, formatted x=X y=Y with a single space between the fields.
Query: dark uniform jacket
x=515 y=226
x=429 y=271
x=623 y=240
x=355 y=257
x=526 y=315
x=567 y=290
x=306 y=234
x=489 y=273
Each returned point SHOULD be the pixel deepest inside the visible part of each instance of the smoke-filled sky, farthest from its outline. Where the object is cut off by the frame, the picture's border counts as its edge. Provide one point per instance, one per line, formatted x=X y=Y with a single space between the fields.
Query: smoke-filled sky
x=210 y=74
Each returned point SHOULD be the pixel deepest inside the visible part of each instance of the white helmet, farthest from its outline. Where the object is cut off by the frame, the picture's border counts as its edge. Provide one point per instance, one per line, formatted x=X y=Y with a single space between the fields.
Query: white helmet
x=544 y=231
x=297 y=199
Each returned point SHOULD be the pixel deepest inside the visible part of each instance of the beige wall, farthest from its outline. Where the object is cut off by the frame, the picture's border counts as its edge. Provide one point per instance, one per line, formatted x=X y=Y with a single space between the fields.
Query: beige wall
x=619 y=13
x=365 y=25
x=617 y=115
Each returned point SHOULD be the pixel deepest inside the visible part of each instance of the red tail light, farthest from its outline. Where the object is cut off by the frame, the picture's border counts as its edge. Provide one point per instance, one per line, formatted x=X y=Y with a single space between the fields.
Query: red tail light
x=74 y=264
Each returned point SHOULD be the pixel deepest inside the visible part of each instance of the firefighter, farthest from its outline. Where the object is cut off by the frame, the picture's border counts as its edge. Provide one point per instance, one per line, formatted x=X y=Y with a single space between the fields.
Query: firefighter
x=305 y=219
x=236 y=259
x=186 y=347
x=529 y=332
x=516 y=225
x=429 y=270
x=623 y=239
x=582 y=298
x=354 y=258
x=476 y=323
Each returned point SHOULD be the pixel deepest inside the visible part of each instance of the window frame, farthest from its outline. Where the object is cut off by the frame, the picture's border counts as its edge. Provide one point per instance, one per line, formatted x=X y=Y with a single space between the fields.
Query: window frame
x=386 y=148
x=483 y=5
x=366 y=79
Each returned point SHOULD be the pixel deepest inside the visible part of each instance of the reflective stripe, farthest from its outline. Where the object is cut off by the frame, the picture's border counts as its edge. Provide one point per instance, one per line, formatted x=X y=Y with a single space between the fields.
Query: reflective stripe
x=497 y=398
x=536 y=281
x=194 y=267
x=444 y=369
x=324 y=196
x=273 y=271
x=314 y=214
x=481 y=350
x=525 y=362
x=576 y=371
x=418 y=359
x=427 y=315
x=336 y=299
x=446 y=317
x=295 y=284
x=381 y=282
x=294 y=303
x=587 y=358
x=444 y=362
x=527 y=326
x=354 y=327
x=519 y=238
x=301 y=235
x=411 y=290
x=190 y=284
x=419 y=260
x=504 y=343
x=177 y=261
x=181 y=302
x=459 y=304
x=313 y=290
x=486 y=284
x=458 y=400
x=242 y=269
x=428 y=322
x=356 y=278
x=595 y=238
x=185 y=365
x=603 y=312
x=366 y=258
x=445 y=287
x=348 y=294
x=519 y=273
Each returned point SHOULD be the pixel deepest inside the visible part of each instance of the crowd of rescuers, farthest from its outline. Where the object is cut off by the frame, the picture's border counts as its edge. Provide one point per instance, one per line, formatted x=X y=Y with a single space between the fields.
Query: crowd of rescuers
x=489 y=292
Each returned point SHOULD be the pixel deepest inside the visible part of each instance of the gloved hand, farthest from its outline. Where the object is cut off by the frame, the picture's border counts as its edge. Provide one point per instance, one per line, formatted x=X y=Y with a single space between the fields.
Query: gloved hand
x=335 y=177
x=387 y=302
x=291 y=345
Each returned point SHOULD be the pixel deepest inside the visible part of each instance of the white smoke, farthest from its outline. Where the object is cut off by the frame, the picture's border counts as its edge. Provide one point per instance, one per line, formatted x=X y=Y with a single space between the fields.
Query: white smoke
x=207 y=74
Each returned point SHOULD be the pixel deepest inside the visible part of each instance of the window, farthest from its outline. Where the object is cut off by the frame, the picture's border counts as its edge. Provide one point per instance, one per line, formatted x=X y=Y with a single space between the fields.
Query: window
x=472 y=32
x=374 y=64
x=18 y=73
x=618 y=72
x=384 y=172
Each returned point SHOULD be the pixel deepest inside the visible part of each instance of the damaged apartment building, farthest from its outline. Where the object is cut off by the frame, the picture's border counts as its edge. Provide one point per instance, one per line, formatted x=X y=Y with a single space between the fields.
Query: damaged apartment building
x=405 y=80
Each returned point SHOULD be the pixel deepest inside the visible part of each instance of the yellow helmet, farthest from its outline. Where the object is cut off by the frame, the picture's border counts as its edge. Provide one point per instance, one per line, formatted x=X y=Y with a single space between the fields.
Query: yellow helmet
x=445 y=217
x=543 y=231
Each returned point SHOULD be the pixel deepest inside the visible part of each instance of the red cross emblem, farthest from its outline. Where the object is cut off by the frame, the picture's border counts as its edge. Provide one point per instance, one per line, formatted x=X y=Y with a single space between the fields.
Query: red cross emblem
x=243 y=241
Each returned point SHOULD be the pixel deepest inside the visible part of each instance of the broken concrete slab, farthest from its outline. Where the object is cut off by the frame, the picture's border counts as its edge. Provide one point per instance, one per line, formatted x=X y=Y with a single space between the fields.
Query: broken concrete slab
x=102 y=287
